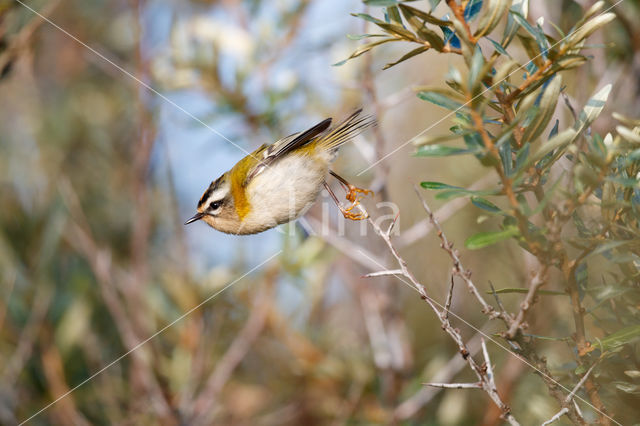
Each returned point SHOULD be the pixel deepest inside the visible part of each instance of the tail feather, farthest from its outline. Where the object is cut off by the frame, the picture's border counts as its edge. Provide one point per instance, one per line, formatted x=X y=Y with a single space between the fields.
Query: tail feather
x=345 y=131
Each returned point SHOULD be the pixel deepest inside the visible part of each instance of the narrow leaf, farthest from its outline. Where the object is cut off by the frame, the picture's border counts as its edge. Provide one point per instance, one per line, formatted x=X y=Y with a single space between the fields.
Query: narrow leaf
x=440 y=100
x=593 y=108
x=472 y=9
x=363 y=49
x=525 y=290
x=628 y=134
x=441 y=151
x=494 y=12
x=619 y=338
x=484 y=239
x=409 y=55
x=485 y=205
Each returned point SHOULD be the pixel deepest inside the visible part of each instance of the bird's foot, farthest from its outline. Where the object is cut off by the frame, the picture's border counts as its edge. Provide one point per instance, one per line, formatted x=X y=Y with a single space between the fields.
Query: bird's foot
x=354 y=195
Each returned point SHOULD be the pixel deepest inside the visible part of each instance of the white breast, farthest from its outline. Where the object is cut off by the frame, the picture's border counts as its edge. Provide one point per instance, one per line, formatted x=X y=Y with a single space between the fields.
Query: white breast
x=285 y=190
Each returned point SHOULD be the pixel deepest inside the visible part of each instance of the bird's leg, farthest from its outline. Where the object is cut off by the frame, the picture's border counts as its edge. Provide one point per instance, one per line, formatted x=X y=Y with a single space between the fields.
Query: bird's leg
x=346 y=211
x=352 y=195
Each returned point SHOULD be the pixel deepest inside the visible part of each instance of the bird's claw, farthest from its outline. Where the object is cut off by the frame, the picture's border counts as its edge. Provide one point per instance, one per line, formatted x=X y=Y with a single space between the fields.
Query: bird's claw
x=354 y=198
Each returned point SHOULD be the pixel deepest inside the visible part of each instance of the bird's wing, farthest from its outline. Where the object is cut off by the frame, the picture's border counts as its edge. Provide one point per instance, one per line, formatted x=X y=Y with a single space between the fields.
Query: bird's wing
x=285 y=145
x=288 y=144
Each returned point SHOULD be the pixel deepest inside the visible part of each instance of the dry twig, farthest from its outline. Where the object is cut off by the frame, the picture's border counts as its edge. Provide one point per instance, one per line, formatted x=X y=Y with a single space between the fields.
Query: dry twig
x=484 y=373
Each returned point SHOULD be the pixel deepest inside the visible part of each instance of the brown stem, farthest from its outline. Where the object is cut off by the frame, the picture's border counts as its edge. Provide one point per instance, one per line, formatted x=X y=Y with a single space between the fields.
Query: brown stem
x=507 y=183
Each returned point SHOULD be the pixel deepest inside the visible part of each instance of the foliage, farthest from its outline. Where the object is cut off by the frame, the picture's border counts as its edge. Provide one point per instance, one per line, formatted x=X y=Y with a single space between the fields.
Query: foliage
x=569 y=196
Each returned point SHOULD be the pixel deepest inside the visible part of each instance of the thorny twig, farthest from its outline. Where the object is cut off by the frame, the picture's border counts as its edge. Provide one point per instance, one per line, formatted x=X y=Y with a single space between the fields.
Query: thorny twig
x=458 y=268
x=569 y=399
x=484 y=379
x=408 y=408
x=498 y=301
x=447 y=303
x=538 y=280
x=455 y=385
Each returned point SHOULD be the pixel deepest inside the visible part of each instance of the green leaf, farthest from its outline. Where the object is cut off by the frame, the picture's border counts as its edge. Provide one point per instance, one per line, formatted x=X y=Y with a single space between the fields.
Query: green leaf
x=450 y=191
x=593 y=108
x=409 y=55
x=437 y=185
x=627 y=121
x=499 y=47
x=368 y=18
x=628 y=134
x=441 y=151
x=472 y=9
x=484 y=239
x=627 y=387
x=424 y=16
x=531 y=47
x=608 y=246
x=506 y=158
x=521 y=7
x=431 y=139
x=622 y=337
x=626 y=182
x=589 y=28
x=525 y=290
x=365 y=48
x=477 y=63
x=556 y=339
x=538 y=36
x=391 y=28
x=522 y=156
x=439 y=99
x=597 y=6
x=568 y=62
x=485 y=205
x=559 y=141
x=546 y=106
x=393 y=13
x=362 y=36
x=423 y=32
x=634 y=374
x=505 y=70
x=494 y=11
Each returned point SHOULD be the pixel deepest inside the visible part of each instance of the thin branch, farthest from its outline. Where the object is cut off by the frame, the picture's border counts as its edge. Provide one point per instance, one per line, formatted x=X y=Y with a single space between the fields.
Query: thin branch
x=569 y=399
x=455 y=385
x=388 y=272
x=498 y=301
x=413 y=404
x=557 y=416
x=447 y=303
x=458 y=268
x=487 y=383
x=580 y=383
x=487 y=361
x=538 y=280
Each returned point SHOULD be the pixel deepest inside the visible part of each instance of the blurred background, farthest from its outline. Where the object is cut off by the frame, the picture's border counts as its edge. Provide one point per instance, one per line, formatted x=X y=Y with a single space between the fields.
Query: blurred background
x=115 y=119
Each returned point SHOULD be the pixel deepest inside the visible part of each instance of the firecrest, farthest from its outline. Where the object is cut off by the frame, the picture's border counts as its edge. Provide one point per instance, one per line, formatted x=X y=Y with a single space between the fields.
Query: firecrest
x=278 y=183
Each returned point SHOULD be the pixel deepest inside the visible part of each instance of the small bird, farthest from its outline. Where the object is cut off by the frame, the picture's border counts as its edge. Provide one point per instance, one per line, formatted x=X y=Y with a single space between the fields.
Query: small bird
x=278 y=183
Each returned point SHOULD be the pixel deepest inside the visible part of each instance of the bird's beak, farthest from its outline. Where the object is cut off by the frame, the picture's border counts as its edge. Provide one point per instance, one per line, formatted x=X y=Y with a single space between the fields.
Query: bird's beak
x=195 y=217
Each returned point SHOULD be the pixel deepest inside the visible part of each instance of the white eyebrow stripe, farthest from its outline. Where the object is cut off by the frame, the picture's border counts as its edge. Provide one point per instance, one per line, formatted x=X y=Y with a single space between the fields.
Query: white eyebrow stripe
x=217 y=195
